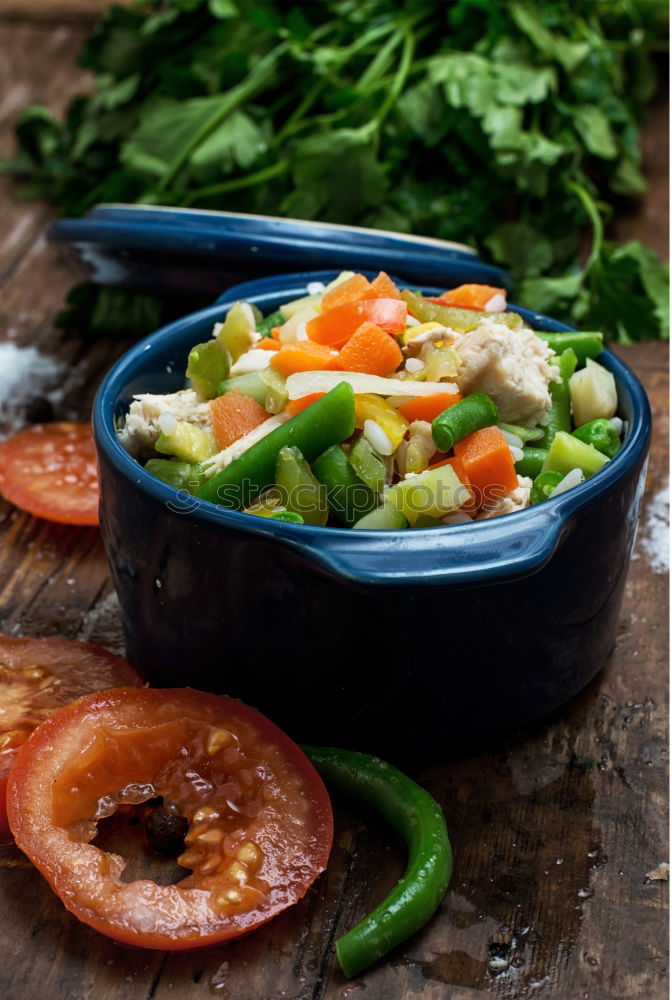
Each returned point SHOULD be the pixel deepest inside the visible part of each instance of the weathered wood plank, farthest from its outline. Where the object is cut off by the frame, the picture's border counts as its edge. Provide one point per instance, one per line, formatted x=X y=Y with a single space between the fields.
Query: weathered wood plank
x=586 y=788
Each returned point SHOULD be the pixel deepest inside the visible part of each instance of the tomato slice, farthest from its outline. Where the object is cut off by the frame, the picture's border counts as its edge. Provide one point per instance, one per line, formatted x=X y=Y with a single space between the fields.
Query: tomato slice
x=50 y=471
x=39 y=676
x=260 y=821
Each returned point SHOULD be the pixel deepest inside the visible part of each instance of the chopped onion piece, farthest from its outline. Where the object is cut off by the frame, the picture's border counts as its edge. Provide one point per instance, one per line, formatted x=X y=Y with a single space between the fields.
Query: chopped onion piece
x=412 y=321
x=305 y=383
x=252 y=361
x=573 y=478
x=315 y=287
x=618 y=424
x=512 y=439
x=459 y=517
x=496 y=304
x=516 y=453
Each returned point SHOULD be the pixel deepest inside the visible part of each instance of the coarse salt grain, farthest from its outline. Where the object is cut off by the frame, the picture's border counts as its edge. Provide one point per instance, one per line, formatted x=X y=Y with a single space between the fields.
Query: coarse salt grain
x=653 y=538
x=25 y=374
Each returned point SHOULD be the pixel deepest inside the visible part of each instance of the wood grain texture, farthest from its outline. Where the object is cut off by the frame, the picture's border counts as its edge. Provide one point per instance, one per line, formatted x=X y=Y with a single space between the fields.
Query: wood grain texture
x=554 y=830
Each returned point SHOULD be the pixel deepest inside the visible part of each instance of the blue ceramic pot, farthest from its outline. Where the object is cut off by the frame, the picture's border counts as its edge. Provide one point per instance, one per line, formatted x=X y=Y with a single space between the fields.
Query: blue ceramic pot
x=375 y=640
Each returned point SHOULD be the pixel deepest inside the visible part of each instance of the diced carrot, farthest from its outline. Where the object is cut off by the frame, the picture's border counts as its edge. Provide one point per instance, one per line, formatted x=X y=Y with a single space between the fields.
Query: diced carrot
x=470 y=296
x=268 y=344
x=428 y=407
x=382 y=287
x=234 y=416
x=488 y=462
x=370 y=350
x=351 y=290
x=337 y=325
x=295 y=406
x=303 y=356
x=275 y=332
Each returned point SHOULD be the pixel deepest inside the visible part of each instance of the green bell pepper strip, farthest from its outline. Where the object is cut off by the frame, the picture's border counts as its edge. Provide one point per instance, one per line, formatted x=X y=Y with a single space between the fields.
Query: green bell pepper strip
x=347 y=495
x=531 y=462
x=460 y=320
x=384 y=518
x=601 y=434
x=568 y=452
x=265 y=325
x=300 y=492
x=329 y=420
x=208 y=365
x=418 y=818
x=559 y=415
x=543 y=486
x=584 y=345
x=368 y=464
x=251 y=384
x=460 y=420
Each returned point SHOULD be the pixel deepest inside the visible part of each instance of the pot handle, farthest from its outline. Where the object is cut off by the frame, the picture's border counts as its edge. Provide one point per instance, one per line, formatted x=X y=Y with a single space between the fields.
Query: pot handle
x=490 y=551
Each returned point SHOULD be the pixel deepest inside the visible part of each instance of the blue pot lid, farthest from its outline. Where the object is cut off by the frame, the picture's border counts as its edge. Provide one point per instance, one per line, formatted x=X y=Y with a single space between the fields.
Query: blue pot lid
x=196 y=251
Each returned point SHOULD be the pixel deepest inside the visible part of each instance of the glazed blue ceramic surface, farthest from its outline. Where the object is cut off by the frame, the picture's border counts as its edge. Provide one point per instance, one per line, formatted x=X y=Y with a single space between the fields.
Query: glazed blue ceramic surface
x=192 y=251
x=375 y=640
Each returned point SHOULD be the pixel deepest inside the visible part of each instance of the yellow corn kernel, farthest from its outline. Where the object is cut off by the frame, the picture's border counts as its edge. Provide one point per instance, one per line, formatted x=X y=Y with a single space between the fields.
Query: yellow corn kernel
x=412 y=332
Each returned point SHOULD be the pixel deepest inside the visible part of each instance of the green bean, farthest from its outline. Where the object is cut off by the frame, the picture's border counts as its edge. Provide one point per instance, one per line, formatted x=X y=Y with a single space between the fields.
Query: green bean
x=348 y=496
x=471 y=414
x=531 y=462
x=265 y=325
x=543 y=486
x=602 y=434
x=584 y=345
x=329 y=420
x=418 y=818
x=559 y=416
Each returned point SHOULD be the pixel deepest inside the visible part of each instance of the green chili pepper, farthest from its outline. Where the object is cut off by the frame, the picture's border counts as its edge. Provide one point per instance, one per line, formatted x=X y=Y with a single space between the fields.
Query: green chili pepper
x=181 y=475
x=525 y=434
x=460 y=320
x=208 y=365
x=543 y=486
x=368 y=464
x=348 y=496
x=531 y=462
x=299 y=490
x=251 y=385
x=584 y=345
x=601 y=434
x=472 y=413
x=559 y=418
x=418 y=818
x=329 y=420
x=265 y=325
x=384 y=518
x=568 y=452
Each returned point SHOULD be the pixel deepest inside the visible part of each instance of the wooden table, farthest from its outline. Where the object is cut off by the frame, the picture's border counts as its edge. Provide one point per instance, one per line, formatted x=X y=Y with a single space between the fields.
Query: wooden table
x=554 y=832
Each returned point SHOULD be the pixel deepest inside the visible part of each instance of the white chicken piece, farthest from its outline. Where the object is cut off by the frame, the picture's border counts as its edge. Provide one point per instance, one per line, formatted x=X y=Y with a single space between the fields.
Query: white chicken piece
x=511 y=366
x=141 y=428
x=517 y=499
